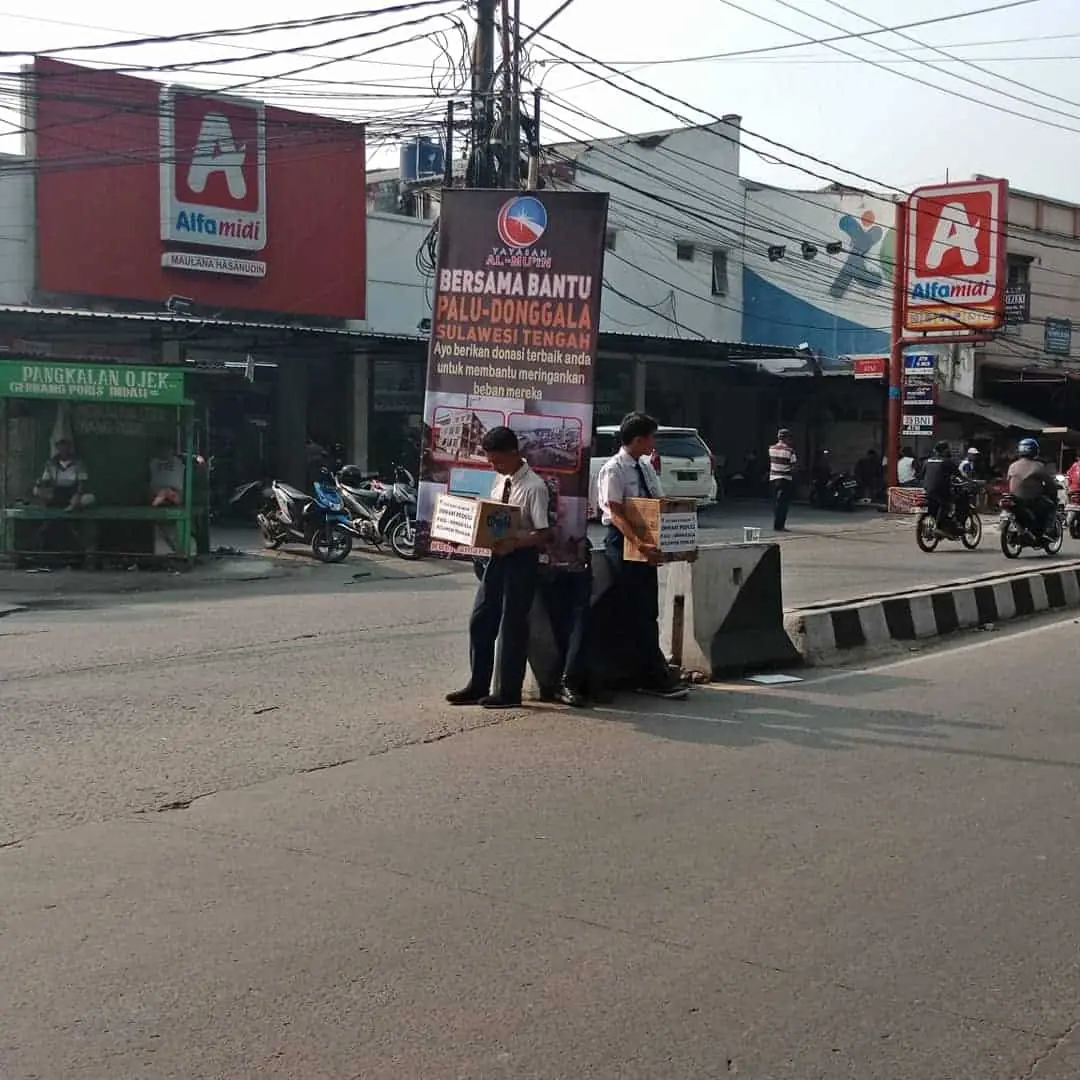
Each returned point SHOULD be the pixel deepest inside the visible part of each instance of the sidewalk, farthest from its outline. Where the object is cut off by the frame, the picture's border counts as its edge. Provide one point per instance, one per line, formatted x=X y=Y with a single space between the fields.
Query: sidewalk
x=238 y=556
x=826 y=557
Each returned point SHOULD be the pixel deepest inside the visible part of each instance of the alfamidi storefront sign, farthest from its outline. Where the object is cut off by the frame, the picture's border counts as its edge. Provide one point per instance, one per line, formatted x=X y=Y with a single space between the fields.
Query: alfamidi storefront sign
x=112 y=383
x=213 y=180
x=955 y=257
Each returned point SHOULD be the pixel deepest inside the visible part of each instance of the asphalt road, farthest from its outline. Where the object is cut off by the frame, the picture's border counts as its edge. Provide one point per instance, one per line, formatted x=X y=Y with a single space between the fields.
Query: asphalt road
x=835 y=556
x=245 y=839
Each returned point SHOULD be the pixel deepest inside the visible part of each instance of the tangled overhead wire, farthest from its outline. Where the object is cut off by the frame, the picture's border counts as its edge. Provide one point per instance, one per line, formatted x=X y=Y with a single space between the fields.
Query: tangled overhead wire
x=427 y=255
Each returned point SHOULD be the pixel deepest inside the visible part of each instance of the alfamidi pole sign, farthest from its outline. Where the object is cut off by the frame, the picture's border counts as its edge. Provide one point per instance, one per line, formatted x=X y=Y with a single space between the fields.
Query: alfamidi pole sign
x=514 y=331
x=955 y=257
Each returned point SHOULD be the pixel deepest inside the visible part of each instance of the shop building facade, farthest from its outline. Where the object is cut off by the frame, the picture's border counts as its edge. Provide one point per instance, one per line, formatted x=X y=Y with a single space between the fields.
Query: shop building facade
x=213 y=235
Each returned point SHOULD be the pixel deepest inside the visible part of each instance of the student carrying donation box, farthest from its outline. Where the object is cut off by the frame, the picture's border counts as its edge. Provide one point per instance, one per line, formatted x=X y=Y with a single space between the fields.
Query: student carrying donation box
x=475 y=523
x=669 y=525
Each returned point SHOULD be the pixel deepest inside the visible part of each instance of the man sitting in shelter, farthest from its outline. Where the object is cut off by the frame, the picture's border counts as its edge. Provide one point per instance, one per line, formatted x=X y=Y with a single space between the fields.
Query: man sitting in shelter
x=62 y=484
x=167 y=478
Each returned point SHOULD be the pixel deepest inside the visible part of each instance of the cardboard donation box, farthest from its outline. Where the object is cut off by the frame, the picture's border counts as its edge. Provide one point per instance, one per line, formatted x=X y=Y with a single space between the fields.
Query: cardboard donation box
x=477 y=523
x=669 y=524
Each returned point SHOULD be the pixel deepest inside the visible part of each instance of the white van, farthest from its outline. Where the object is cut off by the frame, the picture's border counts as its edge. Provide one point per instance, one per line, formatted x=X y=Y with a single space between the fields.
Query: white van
x=684 y=463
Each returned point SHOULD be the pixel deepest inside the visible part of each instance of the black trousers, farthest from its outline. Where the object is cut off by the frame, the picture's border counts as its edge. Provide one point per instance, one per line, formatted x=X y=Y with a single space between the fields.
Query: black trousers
x=782 y=491
x=567 y=597
x=1034 y=514
x=638 y=589
x=502 y=606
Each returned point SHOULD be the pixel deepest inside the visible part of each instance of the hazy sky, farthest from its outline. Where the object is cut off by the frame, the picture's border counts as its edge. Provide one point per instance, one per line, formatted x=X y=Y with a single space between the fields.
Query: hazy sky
x=839 y=108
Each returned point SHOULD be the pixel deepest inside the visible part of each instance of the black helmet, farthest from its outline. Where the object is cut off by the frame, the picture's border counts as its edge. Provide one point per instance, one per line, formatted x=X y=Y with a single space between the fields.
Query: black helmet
x=351 y=475
x=941 y=449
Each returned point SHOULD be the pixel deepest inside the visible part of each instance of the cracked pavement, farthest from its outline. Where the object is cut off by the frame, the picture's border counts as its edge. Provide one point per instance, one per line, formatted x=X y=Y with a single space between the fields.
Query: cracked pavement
x=245 y=838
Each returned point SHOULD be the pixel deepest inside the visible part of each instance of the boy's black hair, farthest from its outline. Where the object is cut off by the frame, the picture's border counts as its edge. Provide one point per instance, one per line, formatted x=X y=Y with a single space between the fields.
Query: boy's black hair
x=500 y=440
x=635 y=425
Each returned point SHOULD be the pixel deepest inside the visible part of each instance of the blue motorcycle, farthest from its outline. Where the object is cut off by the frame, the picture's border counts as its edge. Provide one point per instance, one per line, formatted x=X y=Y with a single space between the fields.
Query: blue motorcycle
x=318 y=520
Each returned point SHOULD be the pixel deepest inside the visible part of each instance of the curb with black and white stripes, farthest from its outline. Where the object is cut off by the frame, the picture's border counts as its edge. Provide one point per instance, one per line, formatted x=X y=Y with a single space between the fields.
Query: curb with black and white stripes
x=824 y=631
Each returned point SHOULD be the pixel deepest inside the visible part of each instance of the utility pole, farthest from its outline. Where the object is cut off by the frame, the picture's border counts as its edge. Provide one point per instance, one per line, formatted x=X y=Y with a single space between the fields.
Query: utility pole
x=507 y=66
x=894 y=418
x=483 y=101
x=533 y=183
x=448 y=164
x=514 y=137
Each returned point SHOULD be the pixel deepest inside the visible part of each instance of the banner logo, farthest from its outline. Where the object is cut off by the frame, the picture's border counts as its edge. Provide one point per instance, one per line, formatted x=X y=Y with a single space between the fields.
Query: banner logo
x=522 y=221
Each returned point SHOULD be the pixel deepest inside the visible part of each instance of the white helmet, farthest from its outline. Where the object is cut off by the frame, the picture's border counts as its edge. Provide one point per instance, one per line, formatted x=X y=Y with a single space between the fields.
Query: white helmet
x=972 y=452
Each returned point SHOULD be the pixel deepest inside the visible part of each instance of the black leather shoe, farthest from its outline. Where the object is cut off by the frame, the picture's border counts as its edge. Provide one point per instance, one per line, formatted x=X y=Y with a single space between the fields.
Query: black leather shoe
x=494 y=702
x=567 y=695
x=467 y=696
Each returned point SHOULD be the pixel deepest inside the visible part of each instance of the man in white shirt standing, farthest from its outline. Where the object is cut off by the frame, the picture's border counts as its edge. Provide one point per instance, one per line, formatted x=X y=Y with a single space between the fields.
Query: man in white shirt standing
x=629 y=475
x=506 y=591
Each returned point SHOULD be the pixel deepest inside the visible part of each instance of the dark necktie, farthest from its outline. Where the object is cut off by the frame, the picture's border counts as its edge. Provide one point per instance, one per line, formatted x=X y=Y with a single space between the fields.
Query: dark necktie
x=506 y=489
x=643 y=479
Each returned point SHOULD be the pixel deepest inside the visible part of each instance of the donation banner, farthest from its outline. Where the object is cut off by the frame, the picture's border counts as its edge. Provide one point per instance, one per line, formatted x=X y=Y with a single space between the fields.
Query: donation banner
x=513 y=344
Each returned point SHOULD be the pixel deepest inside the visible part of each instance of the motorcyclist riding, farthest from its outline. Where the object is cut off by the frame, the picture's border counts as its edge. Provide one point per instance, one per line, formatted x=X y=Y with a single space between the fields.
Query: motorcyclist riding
x=969 y=463
x=1033 y=486
x=938 y=475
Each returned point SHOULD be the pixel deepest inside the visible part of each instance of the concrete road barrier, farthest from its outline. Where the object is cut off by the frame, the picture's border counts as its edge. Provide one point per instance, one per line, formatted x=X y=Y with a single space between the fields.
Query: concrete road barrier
x=721 y=615
x=825 y=632
x=545 y=650
x=724 y=614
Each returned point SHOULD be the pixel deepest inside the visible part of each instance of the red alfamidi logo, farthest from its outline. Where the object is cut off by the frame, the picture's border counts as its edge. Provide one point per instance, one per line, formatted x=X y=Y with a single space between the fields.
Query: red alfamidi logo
x=213 y=169
x=955 y=244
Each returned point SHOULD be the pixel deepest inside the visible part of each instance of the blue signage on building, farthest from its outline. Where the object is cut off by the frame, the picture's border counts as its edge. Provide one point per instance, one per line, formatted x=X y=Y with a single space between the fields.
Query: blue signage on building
x=1058 y=337
x=920 y=362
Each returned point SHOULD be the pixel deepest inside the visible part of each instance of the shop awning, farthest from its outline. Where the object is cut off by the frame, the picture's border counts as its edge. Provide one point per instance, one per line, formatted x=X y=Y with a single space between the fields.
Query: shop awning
x=165 y=318
x=724 y=352
x=1000 y=415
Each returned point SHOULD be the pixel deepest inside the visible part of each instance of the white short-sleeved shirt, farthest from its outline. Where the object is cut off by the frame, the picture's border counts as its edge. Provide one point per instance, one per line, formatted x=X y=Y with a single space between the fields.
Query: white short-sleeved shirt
x=167 y=473
x=528 y=491
x=68 y=474
x=620 y=480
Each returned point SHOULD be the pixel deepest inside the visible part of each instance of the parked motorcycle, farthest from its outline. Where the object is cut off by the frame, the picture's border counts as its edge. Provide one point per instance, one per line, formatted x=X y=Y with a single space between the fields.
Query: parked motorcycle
x=1072 y=514
x=962 y=524
x=839 y=492
x=380 y=512
x=1016 y=536
x=288 y=514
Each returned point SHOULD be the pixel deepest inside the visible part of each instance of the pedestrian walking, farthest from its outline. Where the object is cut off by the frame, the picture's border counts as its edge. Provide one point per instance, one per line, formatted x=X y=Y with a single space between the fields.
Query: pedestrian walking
x=782 y=462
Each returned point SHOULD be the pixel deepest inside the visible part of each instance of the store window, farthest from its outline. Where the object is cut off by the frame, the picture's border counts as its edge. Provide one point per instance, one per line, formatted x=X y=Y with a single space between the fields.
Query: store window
x=719 y=272
x=1018 y=268
x=614 y=390
x=397 y=408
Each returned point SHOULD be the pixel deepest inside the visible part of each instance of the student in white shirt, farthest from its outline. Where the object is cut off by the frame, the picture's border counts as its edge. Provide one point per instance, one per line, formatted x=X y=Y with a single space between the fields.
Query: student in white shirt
x=629 y=475
x=506 y=592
